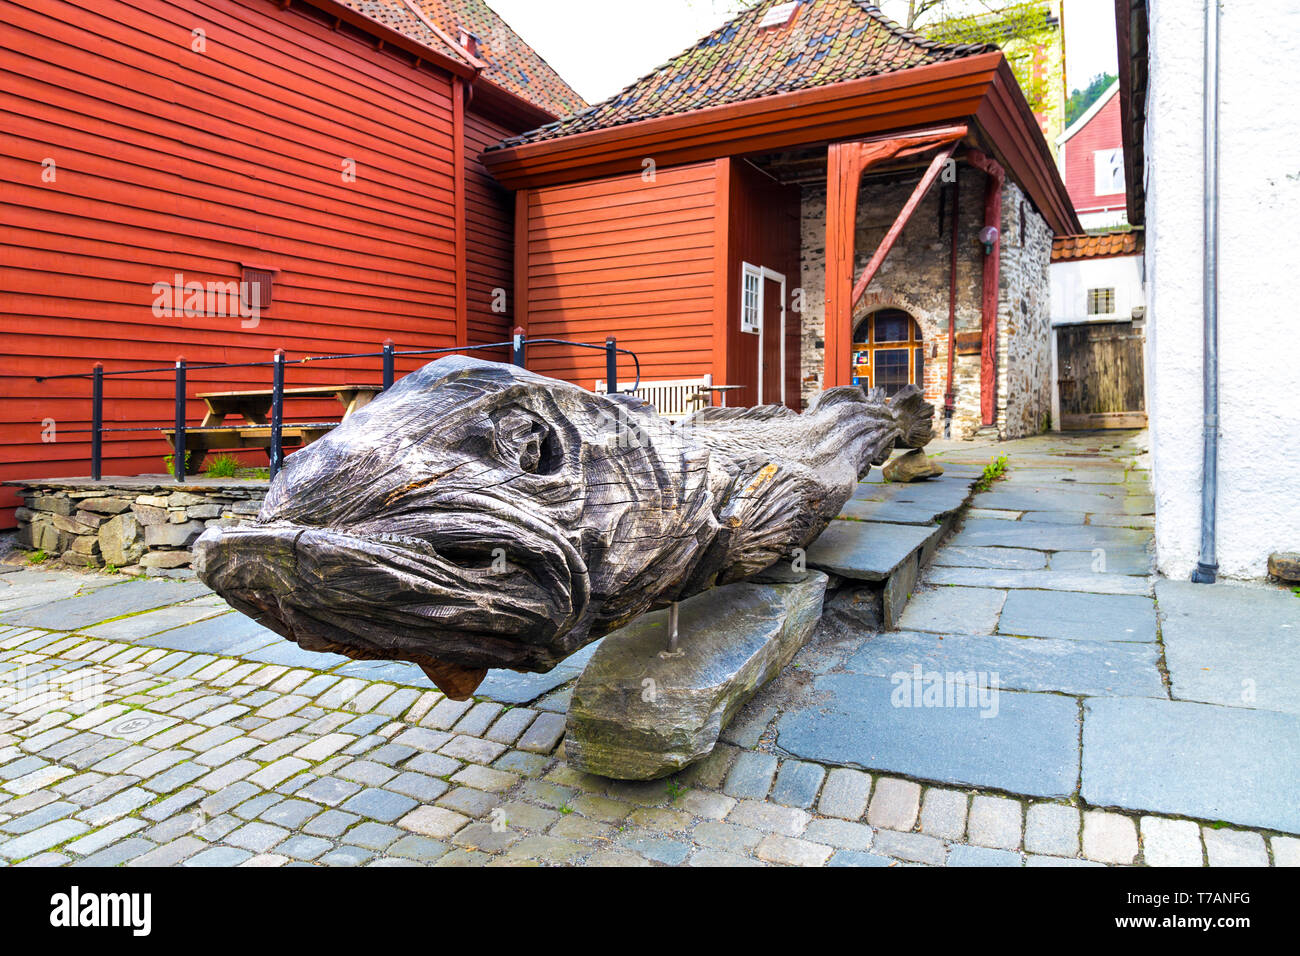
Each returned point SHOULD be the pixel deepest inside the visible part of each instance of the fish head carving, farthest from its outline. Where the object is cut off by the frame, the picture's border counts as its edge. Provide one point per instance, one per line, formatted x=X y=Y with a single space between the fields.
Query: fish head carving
x=474 y=515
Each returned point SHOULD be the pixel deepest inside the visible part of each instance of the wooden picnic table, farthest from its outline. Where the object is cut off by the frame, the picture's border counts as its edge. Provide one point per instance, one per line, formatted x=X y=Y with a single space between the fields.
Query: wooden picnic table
x=254 y=405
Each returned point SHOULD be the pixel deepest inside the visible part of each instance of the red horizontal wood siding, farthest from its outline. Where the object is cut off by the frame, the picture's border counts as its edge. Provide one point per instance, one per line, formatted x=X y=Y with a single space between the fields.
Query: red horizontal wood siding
x=490 y=239
x=628 y=256
x=764 y=231
x=171 y=161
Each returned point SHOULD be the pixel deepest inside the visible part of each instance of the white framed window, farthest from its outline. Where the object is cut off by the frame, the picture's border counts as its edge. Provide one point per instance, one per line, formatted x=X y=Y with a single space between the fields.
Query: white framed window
x=1101 y=301
x=1108 y=172
x=751 y=298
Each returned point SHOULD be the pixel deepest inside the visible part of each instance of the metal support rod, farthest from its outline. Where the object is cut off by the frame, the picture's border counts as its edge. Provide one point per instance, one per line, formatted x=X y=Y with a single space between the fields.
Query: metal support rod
x=1207 y=567
x=517 y=347
x=277 y=412
x=388 y=364
x=178 y=451
x=611 y=365
x=97 y=422
x=672 y=628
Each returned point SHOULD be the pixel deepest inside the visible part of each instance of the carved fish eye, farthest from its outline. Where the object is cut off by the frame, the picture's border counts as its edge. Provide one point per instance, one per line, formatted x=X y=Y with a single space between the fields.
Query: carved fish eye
x=531 y=442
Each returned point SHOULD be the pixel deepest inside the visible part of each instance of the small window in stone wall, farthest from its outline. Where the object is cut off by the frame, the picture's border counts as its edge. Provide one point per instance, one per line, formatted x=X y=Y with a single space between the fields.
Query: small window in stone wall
x=1101 y=301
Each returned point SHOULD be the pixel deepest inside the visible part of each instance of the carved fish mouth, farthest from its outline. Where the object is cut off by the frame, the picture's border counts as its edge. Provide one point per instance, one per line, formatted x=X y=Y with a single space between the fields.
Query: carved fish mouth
x=447 y=588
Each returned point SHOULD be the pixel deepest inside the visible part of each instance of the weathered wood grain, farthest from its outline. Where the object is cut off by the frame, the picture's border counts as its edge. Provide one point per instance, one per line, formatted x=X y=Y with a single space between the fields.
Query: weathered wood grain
x=478 y=515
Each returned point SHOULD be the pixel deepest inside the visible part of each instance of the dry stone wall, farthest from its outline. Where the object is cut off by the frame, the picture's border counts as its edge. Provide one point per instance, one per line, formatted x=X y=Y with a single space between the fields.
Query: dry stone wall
x=137 y=527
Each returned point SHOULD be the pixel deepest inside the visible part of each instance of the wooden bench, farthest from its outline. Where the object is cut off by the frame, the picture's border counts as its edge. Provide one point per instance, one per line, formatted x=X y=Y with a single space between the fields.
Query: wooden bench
x=254 y=407
x=673 y=399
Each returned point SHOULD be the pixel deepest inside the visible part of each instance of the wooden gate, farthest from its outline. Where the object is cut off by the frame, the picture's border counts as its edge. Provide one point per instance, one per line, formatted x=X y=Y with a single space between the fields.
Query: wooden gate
x=1100 y=376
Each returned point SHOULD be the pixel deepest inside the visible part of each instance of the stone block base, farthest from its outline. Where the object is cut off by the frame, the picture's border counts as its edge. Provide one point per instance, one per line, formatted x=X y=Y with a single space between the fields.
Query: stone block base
x=638 y=713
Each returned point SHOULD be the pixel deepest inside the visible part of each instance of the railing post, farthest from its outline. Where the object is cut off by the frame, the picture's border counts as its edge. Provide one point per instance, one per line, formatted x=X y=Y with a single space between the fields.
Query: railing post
x=277 y=411
x=388 y=364
x=178 y=451
x=611 y=365
x=517 y=352
x=97 y=421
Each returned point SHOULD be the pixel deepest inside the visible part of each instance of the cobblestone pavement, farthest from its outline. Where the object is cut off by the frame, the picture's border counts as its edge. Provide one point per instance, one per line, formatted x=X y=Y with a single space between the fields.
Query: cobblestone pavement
x=114 y=751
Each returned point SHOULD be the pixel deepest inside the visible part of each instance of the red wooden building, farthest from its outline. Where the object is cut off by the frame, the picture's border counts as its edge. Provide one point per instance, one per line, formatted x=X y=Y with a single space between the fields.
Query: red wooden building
x=327 y=151
x=800 y=200
x=730 y=217
x=1092 y=161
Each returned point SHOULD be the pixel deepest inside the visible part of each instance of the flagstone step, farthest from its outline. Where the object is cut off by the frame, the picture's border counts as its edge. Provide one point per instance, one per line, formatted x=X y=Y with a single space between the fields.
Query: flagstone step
x=887 y=533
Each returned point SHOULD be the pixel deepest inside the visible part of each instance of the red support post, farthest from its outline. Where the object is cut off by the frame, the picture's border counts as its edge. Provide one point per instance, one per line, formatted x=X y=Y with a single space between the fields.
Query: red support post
x=989 y=297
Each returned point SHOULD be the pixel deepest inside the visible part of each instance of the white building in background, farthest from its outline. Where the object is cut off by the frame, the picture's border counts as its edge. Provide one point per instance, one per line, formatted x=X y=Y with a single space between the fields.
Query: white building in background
x=1163 y=55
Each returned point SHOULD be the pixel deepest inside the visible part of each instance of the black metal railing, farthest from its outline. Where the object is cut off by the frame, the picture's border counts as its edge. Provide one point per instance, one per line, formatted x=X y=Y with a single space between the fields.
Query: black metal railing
x=388 y=354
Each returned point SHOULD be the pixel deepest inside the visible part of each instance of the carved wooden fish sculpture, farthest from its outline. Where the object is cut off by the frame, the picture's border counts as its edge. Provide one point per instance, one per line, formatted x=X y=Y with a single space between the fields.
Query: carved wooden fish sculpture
x=478 y=515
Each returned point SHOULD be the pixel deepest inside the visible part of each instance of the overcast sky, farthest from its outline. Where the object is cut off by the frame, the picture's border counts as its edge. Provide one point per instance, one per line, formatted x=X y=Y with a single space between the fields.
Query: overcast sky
x=600 y=46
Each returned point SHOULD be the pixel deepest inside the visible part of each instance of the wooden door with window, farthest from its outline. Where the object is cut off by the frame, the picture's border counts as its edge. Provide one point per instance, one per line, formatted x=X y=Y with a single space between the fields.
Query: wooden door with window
x=888 y=352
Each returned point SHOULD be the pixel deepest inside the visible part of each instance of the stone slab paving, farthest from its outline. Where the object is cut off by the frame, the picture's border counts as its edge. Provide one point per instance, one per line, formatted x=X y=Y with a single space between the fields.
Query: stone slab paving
x=1024 y=743
x=163 y=730
x=1197 y=760
x=867 y=551
x=1258 y=668
x=1066 y=667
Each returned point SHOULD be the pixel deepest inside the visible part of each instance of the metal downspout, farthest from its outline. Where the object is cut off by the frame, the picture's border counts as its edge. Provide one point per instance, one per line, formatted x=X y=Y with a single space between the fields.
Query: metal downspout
x=1207 y=568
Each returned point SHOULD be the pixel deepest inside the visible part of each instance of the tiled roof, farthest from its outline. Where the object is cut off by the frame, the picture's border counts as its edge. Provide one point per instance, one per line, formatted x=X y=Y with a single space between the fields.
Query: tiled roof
x=830 y=41
x=511 y=63
x=1101 y=246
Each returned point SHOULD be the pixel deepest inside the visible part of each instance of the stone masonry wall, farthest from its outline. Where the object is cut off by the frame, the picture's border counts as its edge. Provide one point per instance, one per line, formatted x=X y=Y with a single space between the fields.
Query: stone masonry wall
x=914 y=278
x=1024 y=319
x=138 y=528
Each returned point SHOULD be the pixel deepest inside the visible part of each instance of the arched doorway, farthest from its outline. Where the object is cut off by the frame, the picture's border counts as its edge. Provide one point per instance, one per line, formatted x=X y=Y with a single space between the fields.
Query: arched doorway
x=888 y=352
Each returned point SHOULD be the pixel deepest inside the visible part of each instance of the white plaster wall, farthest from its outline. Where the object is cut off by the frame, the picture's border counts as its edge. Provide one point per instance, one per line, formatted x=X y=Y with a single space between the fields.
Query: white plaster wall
x=1259 y=463
x=1071 y=281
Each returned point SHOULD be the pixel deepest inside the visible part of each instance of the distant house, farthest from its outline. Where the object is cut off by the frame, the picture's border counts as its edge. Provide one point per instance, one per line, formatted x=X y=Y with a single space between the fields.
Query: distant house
x=809 y=196
x=1091 y=154
x=164 y=162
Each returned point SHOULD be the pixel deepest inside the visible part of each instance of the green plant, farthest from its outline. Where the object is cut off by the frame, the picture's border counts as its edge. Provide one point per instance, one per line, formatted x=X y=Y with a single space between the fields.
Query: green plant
x=222 y=466
x=675 y=789
x=110 y=568
x=995 y=470
x=169 y=461
x=566 y=809
x=37 y=556
x=1296 y=591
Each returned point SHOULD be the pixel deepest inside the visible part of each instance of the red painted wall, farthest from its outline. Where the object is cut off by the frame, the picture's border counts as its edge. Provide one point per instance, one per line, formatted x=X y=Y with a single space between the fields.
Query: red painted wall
x=625 y=257
x=1101 y=132
x=764 y=231
x=171 y=161
x=490 y=245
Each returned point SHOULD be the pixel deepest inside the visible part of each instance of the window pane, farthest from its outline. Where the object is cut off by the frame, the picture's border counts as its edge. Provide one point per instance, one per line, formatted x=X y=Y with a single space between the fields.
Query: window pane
x=892 y=326
x=891 y=370
x=919 y=378
x=1101 y=301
